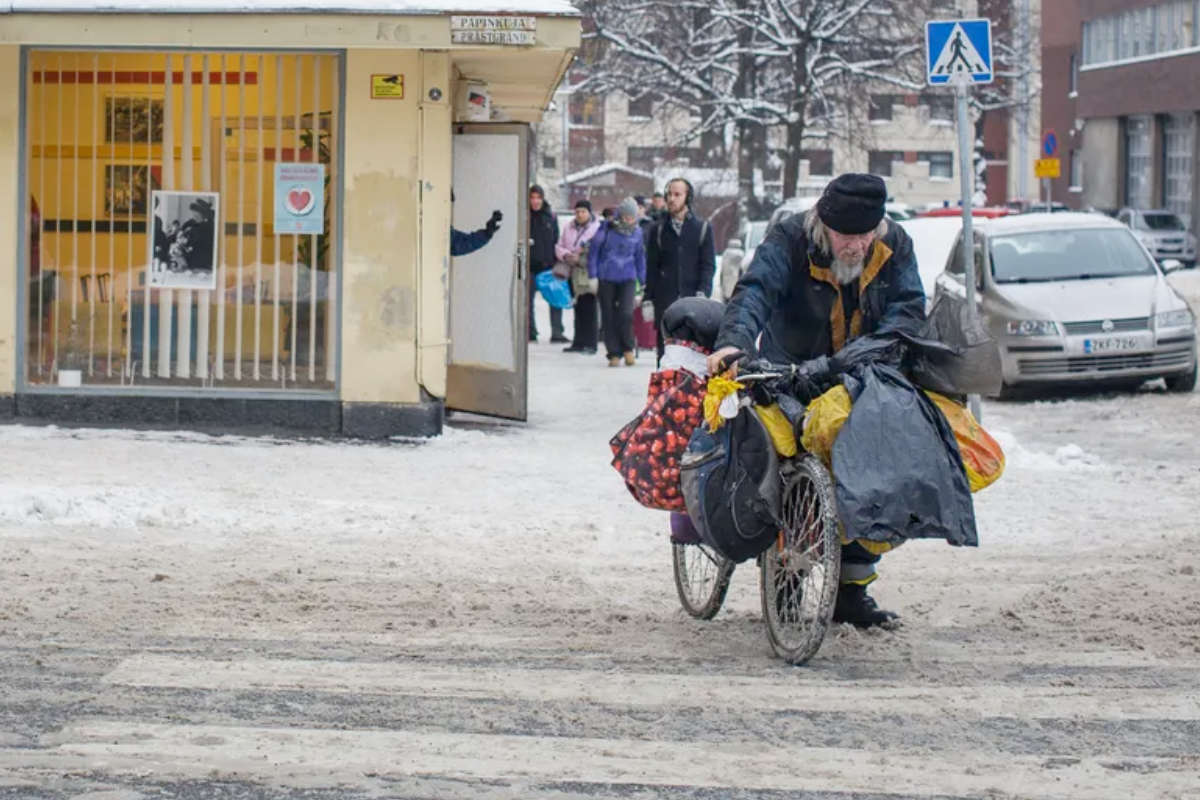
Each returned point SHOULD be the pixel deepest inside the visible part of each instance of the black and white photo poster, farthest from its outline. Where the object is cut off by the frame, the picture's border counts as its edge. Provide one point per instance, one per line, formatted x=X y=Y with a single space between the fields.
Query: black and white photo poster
x=183 y=246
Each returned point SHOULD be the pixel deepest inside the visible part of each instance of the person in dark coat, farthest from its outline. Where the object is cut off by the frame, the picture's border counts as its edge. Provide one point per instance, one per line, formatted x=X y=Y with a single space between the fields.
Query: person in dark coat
x=617 y=257
x=680 y=256
x=818 y=281
x=462 y=244
x=543 y=233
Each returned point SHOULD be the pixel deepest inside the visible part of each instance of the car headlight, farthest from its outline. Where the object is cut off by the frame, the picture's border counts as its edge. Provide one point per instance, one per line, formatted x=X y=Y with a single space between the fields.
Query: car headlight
x=1032 y=327
x=1181 y=318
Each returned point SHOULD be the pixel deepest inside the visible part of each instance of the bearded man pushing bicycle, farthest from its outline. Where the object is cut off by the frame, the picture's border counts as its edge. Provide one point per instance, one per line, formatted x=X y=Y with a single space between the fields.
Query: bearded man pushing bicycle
x=818 y=281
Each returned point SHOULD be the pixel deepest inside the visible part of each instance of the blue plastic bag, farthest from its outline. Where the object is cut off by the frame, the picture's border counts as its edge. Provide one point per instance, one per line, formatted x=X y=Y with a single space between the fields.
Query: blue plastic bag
x=556 y=290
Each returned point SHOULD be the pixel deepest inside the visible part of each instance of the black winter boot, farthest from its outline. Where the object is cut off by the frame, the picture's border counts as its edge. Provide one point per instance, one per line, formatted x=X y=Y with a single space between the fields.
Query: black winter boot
x=858 y=608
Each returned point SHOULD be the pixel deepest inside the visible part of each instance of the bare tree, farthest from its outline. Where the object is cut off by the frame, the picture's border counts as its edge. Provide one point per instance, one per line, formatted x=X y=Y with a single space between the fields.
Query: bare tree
x=756 y=64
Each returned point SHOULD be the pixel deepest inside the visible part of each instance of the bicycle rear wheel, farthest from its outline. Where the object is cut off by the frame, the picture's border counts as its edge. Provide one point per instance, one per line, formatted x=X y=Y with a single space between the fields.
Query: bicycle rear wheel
x=701 y=578
x=799 y=573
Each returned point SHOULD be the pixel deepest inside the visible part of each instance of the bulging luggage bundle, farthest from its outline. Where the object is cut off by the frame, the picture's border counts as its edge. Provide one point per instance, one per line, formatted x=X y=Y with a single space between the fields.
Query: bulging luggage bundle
x=649 y=449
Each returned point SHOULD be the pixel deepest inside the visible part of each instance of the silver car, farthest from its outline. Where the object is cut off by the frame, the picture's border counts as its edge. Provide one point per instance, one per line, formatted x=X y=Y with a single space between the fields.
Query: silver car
x=1163 y=233
x=1076 y=298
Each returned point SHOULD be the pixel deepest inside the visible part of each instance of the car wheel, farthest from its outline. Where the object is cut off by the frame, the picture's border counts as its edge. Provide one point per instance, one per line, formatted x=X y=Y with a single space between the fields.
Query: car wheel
x=1008 y=392
x=1182 y=383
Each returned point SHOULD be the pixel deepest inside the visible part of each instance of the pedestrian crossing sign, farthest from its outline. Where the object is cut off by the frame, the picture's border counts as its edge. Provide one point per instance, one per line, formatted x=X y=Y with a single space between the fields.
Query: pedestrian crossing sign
x=958 y=50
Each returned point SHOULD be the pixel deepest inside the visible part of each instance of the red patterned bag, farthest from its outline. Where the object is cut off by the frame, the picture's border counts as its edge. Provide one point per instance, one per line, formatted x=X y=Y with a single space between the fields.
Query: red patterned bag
x=647 y=451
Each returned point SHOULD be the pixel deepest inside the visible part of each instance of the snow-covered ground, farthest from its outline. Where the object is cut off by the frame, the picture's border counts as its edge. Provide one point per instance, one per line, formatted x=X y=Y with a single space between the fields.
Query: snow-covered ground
x=490 y=614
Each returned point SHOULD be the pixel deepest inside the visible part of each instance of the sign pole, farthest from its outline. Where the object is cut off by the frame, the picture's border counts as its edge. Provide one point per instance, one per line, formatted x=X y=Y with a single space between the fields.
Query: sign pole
x=966 y=171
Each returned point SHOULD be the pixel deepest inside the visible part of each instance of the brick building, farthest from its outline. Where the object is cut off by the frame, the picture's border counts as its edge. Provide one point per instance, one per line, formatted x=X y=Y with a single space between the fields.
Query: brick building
x=1122 y=92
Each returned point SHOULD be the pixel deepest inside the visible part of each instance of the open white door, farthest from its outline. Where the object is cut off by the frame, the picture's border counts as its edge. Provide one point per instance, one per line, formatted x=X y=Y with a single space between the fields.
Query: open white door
x=489 y=304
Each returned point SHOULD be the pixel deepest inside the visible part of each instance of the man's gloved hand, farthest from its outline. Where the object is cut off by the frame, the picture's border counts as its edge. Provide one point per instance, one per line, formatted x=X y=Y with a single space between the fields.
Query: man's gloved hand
x=647 y=309
x=810 y=378
x=493 y=223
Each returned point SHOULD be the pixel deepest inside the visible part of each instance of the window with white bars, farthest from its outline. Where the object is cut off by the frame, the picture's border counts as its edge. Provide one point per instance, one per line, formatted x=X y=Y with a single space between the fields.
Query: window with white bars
x=1141 y=32
x=1137 y=161
x=1179 y=132
x=154 y=259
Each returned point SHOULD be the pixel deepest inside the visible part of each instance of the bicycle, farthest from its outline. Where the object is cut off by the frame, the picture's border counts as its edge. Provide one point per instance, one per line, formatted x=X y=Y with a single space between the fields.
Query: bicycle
x=799 y=573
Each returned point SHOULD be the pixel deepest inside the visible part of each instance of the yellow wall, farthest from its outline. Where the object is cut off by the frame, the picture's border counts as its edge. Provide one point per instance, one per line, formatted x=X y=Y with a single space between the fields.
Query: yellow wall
x=11 y=211
x=379 y=245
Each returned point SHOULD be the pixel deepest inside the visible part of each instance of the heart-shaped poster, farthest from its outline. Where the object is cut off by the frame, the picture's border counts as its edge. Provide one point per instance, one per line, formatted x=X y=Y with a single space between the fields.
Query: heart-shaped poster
x=300 y=200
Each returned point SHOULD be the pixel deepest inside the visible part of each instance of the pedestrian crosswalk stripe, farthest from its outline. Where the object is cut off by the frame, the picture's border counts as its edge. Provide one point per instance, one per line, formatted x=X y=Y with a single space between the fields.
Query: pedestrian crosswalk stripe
x=792 y=691
x=323 y=757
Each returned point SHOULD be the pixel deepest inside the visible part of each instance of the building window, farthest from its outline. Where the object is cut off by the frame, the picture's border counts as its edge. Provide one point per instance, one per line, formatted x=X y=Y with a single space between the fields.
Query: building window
x=820 y=162
x=131 y=210
x=941 y=106
x=1076 y=171
x=1141 y=32
x=586 y=147
x=1179 y=136
x=879 y=162
x=549 y=162
x=1137 y=161
x=587 y=110
x=941 y=164
x=641 y=106
x=881 y=107
x=1073 y=76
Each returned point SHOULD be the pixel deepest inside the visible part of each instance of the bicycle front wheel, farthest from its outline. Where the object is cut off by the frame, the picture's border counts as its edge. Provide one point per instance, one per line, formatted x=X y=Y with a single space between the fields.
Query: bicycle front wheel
x=701 y=578
x=799 y=573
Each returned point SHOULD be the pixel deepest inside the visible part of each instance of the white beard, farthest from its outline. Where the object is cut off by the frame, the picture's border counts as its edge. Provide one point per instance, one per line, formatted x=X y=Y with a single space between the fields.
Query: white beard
x=847 y=271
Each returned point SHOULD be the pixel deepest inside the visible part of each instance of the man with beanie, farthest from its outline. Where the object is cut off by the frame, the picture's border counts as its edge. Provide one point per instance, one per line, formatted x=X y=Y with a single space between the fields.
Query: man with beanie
x=819 y=280
x=572 y=250
x=543 y=235
x=680 y=257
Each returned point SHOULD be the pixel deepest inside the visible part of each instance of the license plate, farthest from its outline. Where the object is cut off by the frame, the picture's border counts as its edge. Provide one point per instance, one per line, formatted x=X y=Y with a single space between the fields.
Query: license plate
x=1112 y=344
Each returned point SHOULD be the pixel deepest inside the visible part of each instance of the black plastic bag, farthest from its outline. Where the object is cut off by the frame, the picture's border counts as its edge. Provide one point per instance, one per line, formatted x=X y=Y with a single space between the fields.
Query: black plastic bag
x=897 y=470
x=952 y=356
x=694 y=319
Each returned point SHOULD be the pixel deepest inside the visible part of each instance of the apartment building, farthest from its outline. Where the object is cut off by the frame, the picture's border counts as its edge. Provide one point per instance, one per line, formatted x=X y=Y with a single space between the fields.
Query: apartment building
x=1123 y=95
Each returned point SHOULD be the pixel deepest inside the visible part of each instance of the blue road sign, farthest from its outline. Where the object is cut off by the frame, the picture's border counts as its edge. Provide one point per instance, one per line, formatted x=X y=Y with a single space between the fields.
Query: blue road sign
x=1049 y=144
x=958 y=50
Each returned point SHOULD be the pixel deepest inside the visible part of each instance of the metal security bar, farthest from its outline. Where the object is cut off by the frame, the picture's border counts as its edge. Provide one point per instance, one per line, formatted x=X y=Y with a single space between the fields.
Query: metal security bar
x=153 y=258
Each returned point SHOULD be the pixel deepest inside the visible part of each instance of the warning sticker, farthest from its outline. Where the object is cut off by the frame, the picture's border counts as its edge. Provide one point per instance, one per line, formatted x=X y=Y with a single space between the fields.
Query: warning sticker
x=387 y=87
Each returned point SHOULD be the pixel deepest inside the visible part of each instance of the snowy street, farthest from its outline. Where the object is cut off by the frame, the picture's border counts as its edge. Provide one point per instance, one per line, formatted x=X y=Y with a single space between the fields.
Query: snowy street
x=490 y=615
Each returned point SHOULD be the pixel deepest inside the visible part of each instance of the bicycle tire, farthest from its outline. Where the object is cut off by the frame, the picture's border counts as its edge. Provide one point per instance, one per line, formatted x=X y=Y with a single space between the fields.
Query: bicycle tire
x=799 y=573
x=701 y=578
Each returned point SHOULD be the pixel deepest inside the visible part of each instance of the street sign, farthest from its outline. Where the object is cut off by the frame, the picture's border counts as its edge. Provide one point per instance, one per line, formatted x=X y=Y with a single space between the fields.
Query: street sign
x=1047 y=167
x=958 y=50
x=1049 y=145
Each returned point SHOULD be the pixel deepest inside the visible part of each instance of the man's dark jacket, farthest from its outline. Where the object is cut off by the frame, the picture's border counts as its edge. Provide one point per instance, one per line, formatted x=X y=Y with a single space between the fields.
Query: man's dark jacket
x=679 y=265
x=543 y=230
x=790 y=295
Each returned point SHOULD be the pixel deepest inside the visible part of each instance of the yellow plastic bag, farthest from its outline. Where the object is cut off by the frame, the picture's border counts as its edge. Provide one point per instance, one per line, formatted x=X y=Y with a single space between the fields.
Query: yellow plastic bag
x=719 y=387
x=782 y=435
x=823 y=421
x=981 y=454
x=982 y=457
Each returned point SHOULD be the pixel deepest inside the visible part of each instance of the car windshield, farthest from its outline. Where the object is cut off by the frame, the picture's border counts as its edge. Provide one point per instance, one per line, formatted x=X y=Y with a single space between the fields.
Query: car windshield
x=1161 y=221
x=755 y=234
x=1067 y=254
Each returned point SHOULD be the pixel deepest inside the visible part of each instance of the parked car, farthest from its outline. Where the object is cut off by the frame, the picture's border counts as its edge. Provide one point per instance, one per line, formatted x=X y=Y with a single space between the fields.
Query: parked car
x=1075 y=298
x=899 y=211
x=986 y=212
x=933 y=238
x=793 y=205
x=740 y=251
x=1163 y=233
